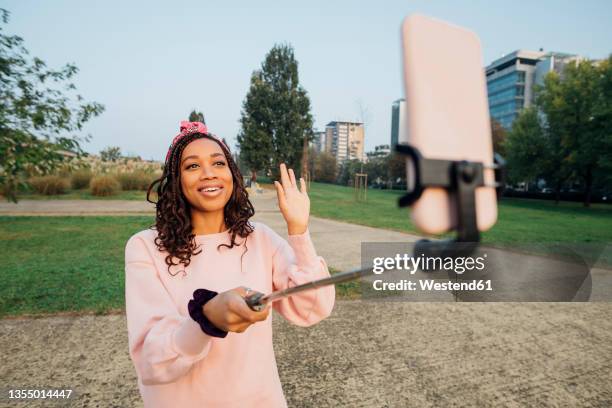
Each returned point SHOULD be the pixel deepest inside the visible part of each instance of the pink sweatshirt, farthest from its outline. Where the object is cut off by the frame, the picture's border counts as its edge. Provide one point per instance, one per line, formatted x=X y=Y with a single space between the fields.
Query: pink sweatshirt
x=177 y=364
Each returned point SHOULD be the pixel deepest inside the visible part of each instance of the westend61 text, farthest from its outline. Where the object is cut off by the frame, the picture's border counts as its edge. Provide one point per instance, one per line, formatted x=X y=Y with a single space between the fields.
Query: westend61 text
x=432 y=285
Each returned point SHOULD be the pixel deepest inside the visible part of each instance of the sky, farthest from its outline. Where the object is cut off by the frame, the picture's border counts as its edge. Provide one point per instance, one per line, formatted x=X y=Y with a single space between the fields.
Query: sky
x=151 y=62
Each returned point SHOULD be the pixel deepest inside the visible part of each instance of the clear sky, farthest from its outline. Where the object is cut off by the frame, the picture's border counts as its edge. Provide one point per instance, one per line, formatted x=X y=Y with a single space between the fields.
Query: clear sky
x=151 y=62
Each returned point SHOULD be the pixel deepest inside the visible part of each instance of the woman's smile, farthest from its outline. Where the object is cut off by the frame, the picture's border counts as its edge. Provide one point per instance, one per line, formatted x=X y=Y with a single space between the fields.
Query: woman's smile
x=211 y=191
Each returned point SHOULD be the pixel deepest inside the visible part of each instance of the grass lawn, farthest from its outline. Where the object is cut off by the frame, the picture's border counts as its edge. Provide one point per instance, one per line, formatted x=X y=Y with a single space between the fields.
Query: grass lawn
x=533 y=226
x=64 y=264
x=53 y=264
x=519 y=220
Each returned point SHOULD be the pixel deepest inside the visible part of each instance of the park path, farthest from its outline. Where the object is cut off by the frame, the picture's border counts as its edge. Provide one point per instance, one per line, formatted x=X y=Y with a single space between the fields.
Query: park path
x=366 y=354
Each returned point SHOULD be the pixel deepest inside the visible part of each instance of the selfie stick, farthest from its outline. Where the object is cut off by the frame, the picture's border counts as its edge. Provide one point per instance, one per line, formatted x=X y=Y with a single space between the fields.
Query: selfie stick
x=458 y=177
x=258 y=300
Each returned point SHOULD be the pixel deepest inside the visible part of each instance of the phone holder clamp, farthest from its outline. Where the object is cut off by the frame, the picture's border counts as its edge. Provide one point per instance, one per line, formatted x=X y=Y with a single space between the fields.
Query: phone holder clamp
x=460 y=178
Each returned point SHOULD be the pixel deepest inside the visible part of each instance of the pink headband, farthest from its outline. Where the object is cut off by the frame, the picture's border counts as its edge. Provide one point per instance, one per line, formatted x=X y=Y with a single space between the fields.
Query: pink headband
x=189 y=128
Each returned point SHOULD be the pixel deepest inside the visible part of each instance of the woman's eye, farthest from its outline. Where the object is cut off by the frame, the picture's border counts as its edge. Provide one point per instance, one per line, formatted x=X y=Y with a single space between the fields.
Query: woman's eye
x=220 y=162
x=191 y=165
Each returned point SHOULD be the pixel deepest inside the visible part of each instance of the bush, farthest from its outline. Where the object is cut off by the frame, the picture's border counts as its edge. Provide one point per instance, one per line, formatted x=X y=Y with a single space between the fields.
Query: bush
x=81 y=179
x=135 y=180
x=104 y=186
x=49 y=185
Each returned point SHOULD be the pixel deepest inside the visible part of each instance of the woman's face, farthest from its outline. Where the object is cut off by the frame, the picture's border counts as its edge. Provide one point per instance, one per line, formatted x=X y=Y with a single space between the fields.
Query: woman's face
x=206 y=179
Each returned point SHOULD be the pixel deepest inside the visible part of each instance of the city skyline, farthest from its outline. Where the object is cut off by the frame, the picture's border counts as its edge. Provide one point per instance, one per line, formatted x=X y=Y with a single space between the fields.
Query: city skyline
x=150 y=66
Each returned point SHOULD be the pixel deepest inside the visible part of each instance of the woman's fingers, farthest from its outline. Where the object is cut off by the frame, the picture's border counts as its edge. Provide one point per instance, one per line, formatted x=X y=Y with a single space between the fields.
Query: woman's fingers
x=280 y=193
x=285 y=180
x=292 y=178
x=248 y=314
x=302 y=185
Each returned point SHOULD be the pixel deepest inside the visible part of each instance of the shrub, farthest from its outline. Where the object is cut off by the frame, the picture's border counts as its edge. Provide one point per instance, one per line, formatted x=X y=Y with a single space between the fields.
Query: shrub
x=49 y=185
x=134 y=180
x=104 y=186
x=81 y=179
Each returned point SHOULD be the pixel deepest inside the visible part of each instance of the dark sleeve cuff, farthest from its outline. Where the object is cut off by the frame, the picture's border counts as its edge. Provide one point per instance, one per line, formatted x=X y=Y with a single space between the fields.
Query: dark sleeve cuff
x=195 y=307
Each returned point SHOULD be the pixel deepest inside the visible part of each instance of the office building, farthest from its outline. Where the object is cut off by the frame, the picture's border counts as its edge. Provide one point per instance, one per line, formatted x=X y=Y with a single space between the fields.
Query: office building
x=345 y=140
x=398 y=121
x=511 y=80
x=318 y=141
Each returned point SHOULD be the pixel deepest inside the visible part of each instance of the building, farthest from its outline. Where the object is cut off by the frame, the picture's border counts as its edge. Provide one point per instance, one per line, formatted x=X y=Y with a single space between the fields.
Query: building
x=511 y=80
x=318 y=141
x=553 y=61
x=398 y=121
x=345 y=140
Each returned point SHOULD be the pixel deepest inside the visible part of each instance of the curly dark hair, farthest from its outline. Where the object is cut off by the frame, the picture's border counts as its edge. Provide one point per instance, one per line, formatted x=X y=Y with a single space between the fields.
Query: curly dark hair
x=173 y=211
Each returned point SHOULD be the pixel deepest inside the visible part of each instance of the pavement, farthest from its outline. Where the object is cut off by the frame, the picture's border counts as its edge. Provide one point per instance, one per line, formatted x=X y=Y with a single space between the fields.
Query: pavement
x=368 y=353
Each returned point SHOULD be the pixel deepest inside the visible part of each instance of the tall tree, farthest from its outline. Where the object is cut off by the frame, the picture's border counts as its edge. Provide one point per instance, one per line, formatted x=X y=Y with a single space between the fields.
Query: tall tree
x=255 y=137
x=325 y=167
x=499 y=136
x=568 y=137
x=602 y=121
x=576 y=107
x=196 y=116
x=530 y=153
x=276 y=119
x=36 y=113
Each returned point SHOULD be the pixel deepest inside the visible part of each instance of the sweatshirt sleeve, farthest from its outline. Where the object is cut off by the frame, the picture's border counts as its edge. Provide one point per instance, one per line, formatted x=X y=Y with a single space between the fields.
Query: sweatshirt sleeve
x=163 y=344
x=296 y=262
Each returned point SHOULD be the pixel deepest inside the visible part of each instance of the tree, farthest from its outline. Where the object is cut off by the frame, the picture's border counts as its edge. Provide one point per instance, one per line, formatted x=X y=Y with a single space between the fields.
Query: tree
x=36 y=114
x=576 y=106
x=568 y=136
x=255 y=137
x=111 y=153
x=602 y=120
x=195 y=116
x=397 y=167
x=276 y=119
x=347 y=171
x=530 y=152
x=499 y=136
x=377 y=166
x=325 y=167
x=311 y=158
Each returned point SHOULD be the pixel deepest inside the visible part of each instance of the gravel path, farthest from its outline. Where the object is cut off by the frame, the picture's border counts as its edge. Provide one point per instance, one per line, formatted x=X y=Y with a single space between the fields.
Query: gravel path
x=367 y=354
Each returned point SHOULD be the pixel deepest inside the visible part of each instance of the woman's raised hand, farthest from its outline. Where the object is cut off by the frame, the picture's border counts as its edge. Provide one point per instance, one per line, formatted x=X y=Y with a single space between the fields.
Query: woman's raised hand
x=293 y=203
x=229 y=312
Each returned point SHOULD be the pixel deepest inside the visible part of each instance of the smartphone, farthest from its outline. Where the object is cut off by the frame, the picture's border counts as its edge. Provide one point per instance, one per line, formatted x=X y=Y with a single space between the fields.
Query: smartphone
x=447 y=115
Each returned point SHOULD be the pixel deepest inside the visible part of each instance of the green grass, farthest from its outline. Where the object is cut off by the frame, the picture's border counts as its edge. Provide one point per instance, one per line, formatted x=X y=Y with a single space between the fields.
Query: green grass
x=519 y=220
x=57 y=264
x=530 y=226
x=70 y=264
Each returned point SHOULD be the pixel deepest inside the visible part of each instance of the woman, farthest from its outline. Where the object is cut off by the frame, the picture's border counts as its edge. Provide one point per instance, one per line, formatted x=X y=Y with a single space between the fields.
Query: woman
x=193 y=340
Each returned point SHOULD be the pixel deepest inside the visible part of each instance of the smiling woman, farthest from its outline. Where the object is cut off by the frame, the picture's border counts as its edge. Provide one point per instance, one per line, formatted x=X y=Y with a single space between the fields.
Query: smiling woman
x=189 y=327
x=206 y=183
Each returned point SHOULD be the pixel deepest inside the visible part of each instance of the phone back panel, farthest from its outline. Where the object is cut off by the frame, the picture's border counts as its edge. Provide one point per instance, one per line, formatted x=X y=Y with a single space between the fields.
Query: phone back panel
x=447 y=113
